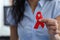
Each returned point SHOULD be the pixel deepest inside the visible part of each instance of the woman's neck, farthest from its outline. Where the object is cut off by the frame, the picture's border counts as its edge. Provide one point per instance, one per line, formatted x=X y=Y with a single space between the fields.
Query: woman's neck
x=33 y=4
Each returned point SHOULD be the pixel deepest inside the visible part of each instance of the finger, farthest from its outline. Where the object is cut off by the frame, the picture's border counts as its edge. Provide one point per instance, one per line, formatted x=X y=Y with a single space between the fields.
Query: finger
x=58 y=32
x=44 y=20
x=49 y=21
x=52 y=27
x=52 y=31
x=57 y=36
x=51 y=24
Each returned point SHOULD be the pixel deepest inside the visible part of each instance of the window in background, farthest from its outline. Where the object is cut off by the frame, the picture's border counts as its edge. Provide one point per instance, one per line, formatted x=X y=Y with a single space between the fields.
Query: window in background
x=7 y=10
x=4 y=29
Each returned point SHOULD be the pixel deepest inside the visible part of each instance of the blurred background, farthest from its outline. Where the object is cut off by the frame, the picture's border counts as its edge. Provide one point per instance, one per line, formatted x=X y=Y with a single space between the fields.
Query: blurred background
x=5 y=6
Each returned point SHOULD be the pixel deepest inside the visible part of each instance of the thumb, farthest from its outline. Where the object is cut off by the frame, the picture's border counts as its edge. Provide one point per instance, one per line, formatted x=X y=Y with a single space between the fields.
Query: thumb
x=44 y=20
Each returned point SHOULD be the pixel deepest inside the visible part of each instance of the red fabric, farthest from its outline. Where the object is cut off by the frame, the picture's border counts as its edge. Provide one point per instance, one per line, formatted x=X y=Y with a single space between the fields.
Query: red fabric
x=39 y=17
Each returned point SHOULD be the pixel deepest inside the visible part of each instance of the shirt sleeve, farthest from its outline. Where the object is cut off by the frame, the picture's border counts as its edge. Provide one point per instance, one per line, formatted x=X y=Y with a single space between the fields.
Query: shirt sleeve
x=56 y=9
x=10 y=19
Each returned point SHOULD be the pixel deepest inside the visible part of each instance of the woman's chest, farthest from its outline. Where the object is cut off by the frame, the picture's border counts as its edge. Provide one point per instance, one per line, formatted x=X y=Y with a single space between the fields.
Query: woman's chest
x=29 y=19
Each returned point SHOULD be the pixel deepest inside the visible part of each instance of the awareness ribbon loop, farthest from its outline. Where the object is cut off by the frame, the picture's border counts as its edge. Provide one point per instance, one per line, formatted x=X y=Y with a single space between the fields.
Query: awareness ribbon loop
x=38 y=18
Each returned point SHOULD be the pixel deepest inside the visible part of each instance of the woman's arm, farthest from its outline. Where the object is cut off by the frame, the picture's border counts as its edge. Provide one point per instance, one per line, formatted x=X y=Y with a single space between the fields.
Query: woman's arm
x=13 y=33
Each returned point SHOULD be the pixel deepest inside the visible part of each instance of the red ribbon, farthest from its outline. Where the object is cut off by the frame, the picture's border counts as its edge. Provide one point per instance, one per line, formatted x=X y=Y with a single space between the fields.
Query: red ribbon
x=38 y=18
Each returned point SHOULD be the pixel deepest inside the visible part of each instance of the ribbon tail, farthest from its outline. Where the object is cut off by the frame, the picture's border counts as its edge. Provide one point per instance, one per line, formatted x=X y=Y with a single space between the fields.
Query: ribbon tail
x=42 y=25
x=36 y=25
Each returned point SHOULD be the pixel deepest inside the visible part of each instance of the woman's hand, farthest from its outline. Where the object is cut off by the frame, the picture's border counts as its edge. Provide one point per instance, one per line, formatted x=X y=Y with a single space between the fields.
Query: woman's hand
x=52 y=26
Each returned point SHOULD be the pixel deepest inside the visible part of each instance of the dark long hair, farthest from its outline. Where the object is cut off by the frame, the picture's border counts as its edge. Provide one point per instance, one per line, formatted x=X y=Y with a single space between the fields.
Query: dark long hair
x=18 y=8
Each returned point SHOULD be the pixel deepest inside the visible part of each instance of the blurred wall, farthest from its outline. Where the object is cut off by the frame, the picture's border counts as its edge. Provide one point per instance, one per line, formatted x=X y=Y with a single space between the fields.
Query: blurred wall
x=4 y=30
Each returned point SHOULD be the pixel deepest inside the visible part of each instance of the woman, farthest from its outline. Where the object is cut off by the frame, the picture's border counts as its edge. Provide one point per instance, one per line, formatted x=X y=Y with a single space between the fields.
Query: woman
x=23 y=18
